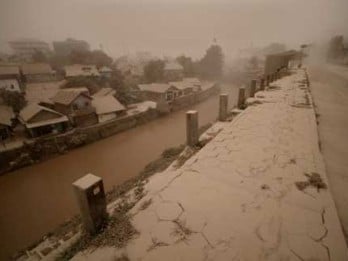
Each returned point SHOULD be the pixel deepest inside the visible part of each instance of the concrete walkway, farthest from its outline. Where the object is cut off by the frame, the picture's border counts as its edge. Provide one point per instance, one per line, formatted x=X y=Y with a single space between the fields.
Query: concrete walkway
x=257 y=191
x=329 y=85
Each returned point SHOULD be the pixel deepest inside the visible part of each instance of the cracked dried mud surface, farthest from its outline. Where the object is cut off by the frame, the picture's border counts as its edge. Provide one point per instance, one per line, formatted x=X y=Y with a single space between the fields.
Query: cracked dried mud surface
x=236 y=199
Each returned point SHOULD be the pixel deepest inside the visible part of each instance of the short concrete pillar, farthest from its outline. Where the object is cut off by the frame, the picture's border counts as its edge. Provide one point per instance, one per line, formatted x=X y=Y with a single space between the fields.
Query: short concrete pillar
x=241 y=98
x=192 y=136
x=89 y=191
x=262 y=84
x=253 y=88
x=223 y=107
x=268 y=80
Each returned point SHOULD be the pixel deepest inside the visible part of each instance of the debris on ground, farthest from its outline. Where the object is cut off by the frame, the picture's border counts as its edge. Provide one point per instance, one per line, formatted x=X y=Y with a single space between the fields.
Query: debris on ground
x=265 y=187
x=314 y=180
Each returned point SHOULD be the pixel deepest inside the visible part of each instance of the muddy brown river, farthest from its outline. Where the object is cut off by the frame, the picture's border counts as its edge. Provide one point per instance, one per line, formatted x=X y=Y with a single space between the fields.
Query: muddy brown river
x=36 y=199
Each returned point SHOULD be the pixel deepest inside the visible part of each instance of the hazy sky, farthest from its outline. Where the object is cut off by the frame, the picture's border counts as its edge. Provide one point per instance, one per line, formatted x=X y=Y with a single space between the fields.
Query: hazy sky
x=173 y=27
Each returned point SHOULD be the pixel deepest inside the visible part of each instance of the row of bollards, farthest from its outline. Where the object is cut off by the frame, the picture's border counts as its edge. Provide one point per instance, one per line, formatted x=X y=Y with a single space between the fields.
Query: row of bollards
x=265 y=81
x=89 y=190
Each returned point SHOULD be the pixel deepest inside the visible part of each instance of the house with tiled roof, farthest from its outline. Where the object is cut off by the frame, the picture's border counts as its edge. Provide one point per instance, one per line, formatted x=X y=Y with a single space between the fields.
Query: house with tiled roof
x=107 y=108
x=6 y=117
x=105 y=71
x=173 y=71
x=105 y=92
x=38 y=72
x=81 y=70
x=76 y=103
x=158 y=92
x=39 y=120
x=10 y=78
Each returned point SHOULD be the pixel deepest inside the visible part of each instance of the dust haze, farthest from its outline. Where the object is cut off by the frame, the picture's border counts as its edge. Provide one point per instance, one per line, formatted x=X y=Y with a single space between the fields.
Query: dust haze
x=173 y=27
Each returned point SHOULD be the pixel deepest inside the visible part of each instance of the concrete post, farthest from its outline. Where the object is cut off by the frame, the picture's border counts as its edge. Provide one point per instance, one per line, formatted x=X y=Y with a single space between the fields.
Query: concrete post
x=268 y=80
x=89 y=191
x=192 y=136
x=223 y=104
x=241 y=98
x=262 y=84
x=277 y=74
x=253 y=88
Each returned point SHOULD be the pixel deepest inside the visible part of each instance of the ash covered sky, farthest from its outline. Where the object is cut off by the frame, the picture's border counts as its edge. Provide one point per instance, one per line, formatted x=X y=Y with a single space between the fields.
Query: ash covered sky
x=169 y=27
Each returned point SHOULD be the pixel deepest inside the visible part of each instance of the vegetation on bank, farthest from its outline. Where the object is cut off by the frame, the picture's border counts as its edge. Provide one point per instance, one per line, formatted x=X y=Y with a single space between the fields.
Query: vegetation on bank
x=210 y=67
x=118 y=228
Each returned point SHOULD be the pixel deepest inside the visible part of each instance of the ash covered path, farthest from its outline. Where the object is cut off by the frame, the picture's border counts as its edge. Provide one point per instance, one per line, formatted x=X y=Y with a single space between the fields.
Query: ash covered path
x=257 y=191
x=329 y=85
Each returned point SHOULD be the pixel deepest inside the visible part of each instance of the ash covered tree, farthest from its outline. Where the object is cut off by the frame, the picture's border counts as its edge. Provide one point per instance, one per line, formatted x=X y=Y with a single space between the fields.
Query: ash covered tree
x=15 y=100
x=187 y=64
x=211 y=65
x=335 y=50
x=96 y=57
x=39 y=57
x=123 y=90
x=153 y=71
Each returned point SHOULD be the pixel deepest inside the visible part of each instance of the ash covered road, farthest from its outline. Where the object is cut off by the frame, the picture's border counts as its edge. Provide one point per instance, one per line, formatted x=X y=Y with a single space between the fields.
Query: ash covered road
x=329 y=85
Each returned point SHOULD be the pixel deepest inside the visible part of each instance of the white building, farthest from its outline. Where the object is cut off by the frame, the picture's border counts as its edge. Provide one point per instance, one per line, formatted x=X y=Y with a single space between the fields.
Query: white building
x=80 y=70
x=25 y=48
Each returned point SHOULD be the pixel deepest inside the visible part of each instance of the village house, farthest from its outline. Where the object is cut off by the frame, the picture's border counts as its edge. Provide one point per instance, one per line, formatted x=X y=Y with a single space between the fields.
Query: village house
x=184 y=88
x=108 y=108
x=105 y=92
x=6 y=117
x=158 y=92
x=76 y=103
x=80 y=70
x=105 y=72
x=38 y=72
x=195 y=82
x=173 y=71
x=42 y=92
x=10 y=78
x=39 y=120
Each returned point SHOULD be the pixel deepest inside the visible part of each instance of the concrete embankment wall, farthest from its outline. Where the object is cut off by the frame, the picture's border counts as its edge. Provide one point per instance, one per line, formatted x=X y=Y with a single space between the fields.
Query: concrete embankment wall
x=191 y=99
x=43 y=148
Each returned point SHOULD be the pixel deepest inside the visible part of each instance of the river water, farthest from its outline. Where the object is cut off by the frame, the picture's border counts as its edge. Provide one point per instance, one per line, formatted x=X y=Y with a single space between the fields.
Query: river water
x=36 y=199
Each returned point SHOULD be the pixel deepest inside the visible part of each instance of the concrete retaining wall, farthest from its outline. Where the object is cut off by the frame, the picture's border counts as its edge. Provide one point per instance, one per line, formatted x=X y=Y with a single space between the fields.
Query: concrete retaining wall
x=44 y=148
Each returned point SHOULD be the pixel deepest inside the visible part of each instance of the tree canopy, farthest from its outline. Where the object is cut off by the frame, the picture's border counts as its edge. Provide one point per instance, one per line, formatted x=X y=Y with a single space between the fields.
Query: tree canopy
x=335 y=50
x=211 y=65
x=39 y=57
x=153 y=71
x=12 y=99
x=95 y=57
x=187 y=64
